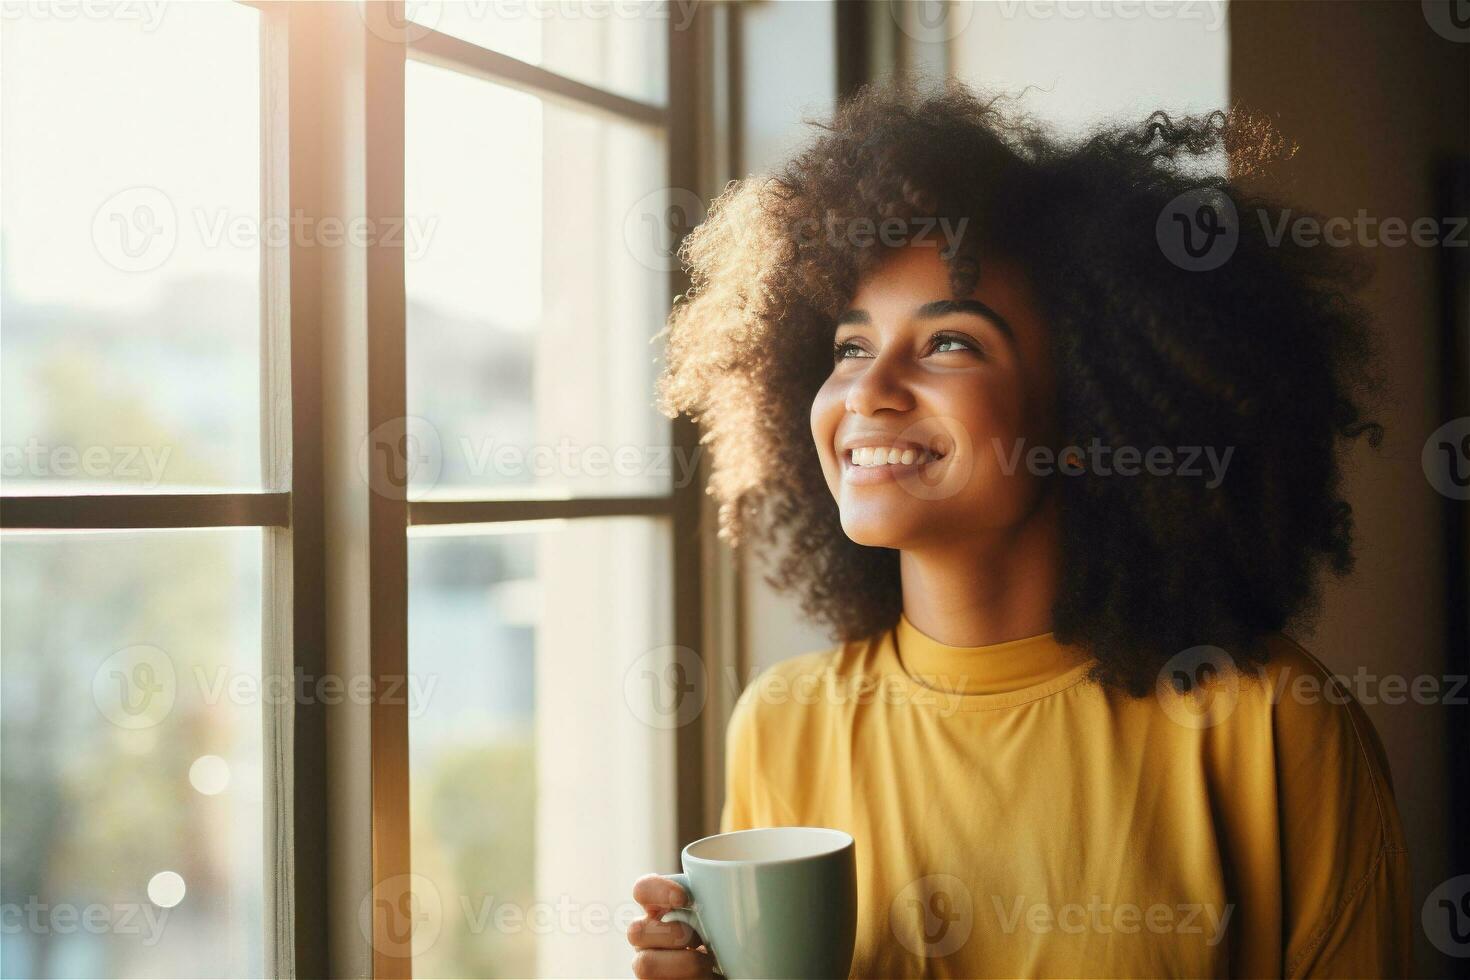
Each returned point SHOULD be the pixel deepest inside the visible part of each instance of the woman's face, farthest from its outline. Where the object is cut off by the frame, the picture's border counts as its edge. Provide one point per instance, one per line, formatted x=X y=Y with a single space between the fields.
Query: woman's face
x=964 y=387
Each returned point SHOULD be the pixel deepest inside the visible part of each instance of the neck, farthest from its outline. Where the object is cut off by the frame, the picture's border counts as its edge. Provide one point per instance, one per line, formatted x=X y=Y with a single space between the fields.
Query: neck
x=990 y=588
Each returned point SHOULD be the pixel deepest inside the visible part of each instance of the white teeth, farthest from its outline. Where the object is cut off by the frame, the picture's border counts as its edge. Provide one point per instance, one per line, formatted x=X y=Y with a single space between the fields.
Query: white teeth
x=886 y=455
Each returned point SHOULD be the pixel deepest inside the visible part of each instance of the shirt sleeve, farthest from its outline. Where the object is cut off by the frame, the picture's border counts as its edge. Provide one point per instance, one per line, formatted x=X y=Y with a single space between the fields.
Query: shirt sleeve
x=740 y=809
x=1347 y=900
x=757 y=779
x=1371 y=936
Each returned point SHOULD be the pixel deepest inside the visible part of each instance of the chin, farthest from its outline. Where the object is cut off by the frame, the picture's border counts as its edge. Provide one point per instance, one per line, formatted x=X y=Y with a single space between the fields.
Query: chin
x=872 y=531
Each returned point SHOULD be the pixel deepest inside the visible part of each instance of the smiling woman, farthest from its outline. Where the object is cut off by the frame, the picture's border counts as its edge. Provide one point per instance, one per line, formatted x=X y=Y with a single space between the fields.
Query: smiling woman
x=1109 y=781
x=1117 y=339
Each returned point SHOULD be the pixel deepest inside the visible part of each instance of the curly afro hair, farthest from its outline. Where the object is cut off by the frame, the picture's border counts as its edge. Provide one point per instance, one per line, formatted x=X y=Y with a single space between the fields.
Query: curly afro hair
x=1265 y=353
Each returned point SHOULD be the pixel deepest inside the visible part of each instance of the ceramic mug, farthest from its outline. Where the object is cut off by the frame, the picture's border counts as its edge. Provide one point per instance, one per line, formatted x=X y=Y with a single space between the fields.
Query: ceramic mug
x=772 y=902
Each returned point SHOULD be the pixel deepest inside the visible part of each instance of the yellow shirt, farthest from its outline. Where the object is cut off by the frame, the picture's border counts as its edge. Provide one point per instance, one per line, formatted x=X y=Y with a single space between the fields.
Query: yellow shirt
x=1013 y=818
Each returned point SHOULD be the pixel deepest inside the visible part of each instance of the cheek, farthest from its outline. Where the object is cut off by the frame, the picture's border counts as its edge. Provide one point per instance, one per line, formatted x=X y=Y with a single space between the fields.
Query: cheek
x=994 y=425
x=982 y=411
x=995 y=433
x=827 y=410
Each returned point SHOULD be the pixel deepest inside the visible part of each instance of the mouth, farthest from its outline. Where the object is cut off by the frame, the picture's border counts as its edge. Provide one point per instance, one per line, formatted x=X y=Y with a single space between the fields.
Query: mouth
x=877 y=464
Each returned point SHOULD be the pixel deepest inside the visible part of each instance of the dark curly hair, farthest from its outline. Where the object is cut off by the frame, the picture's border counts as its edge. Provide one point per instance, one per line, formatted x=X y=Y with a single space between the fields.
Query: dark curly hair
x=1265 y=353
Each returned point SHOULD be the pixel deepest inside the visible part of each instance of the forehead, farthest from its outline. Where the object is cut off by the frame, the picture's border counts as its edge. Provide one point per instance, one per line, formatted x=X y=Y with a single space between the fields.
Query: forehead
x=915 y=274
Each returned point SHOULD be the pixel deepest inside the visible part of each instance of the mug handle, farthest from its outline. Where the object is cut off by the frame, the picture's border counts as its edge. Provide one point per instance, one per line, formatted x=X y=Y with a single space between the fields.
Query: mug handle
x=687 y=915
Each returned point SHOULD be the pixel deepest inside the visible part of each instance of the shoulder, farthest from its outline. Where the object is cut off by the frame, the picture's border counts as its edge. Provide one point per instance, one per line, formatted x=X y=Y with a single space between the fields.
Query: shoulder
x=775 y=688
x=814 y=663
x=1296 y=717
x=1331 y=768
x=1316 y=710
x=790 y=695
x=1345 y=863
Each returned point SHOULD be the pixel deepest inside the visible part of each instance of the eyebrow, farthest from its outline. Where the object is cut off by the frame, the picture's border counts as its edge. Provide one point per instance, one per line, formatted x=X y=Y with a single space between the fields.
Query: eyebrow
x=939 y=308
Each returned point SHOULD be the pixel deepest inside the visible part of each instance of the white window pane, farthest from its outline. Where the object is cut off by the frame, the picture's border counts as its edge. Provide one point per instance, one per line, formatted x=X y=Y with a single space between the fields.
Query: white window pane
x=541 y=767
x=533 y=294
x=619 y=46
x=131 y=755
x=130 y=222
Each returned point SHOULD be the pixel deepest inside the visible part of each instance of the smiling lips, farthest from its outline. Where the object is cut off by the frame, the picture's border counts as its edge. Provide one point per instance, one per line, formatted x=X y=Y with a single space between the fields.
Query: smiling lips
x=889 y=455
x=863 y=465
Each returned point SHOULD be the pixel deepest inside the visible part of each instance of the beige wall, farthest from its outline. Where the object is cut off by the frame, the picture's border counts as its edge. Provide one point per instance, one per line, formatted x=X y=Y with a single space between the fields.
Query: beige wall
x=1373 y=94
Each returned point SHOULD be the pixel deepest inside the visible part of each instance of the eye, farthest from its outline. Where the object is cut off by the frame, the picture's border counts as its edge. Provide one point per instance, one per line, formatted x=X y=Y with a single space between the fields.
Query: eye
x=839 y=351
x=959 y=342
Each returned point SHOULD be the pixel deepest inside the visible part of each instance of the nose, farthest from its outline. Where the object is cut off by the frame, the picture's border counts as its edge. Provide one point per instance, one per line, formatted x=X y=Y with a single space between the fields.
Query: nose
x=881 y=385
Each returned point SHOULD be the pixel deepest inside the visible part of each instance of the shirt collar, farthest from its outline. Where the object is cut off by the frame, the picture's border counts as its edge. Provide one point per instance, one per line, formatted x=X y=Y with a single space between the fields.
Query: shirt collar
x=994 y=668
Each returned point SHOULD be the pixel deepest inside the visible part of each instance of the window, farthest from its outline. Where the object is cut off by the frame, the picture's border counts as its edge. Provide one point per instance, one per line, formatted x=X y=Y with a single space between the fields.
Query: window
x=530 y=379
x=133 y=746
x=343 y=551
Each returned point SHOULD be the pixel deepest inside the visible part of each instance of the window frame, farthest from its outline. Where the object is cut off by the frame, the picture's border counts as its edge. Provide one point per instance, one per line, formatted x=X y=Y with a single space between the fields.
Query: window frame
x=333 y=368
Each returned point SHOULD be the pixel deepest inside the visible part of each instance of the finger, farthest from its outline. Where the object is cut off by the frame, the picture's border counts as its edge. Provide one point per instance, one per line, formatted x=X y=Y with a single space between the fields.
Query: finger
x=658 y=892
x=649 y=933
x=672 y=964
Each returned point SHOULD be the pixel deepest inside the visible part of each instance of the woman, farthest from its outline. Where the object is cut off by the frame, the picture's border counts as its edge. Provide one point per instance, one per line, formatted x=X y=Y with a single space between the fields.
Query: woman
x=1057 y=460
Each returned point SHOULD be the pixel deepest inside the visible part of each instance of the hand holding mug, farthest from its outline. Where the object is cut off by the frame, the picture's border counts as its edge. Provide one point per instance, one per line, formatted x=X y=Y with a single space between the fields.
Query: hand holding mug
x=764 y=903
x=666 y=949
